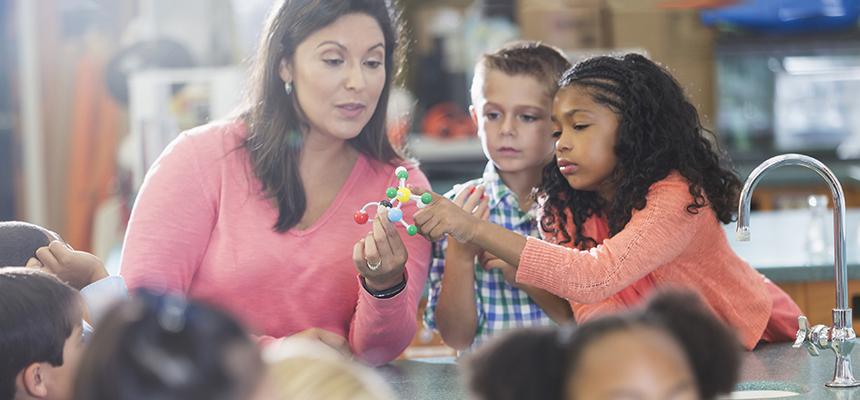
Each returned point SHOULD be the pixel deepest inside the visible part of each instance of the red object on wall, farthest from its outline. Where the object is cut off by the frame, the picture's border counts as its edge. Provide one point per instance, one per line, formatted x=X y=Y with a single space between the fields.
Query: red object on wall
x=93 y=146
x=447 y=120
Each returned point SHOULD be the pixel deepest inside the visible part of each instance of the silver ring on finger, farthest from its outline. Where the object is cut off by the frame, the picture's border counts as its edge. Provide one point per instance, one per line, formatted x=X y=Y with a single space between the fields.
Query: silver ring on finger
x=374 y=267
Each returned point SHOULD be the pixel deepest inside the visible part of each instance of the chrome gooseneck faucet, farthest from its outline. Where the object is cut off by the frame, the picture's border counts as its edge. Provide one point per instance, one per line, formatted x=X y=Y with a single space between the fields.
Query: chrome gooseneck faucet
x=840 y=336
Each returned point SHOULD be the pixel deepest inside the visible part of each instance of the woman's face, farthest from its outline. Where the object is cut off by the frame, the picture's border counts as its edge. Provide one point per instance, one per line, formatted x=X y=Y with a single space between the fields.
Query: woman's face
x=635 y=364
x=338 y=74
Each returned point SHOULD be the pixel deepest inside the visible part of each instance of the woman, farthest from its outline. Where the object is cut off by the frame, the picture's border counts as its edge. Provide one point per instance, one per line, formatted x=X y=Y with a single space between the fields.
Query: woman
x=255 y=214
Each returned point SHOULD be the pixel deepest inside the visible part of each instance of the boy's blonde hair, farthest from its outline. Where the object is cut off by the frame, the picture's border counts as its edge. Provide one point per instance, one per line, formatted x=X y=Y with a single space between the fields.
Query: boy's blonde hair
x=308 y=370
x=541 y=61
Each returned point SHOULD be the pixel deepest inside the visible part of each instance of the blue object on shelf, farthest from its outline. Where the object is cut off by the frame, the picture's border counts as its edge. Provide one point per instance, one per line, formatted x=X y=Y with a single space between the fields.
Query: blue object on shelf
x=787 y=16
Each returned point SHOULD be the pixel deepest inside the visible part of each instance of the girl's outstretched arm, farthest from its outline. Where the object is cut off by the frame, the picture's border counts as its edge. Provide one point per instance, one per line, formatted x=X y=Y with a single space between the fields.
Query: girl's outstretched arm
x=442 y=217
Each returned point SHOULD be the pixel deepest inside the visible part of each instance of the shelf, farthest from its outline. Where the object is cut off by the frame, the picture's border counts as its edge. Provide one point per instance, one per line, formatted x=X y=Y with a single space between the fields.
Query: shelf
x=431 y=150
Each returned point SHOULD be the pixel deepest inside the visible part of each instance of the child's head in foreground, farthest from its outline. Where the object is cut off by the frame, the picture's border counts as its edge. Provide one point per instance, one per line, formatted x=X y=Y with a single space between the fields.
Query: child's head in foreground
x=163 y=346
x=41 y=338
x=20 y=240
x=306 y=369
x=673 y=349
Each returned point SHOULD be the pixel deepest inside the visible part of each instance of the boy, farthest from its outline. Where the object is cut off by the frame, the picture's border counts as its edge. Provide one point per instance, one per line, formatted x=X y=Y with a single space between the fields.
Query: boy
x=25 y=244
x=473 y=295
x=41 y=337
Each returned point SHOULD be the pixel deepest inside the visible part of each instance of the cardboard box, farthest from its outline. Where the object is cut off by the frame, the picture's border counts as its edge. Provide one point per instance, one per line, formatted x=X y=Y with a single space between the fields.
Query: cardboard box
x=567 y=24
x=676 y=39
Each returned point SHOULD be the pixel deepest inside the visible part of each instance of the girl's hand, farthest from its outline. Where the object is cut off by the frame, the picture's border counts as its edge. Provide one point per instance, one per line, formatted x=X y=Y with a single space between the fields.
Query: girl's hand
x=381 y=256
x=443 y=216
x=472 y=199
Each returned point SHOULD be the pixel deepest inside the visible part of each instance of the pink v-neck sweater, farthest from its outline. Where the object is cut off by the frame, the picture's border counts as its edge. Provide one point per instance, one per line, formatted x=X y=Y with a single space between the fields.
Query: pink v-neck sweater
x=201 y=226
x=677 y=248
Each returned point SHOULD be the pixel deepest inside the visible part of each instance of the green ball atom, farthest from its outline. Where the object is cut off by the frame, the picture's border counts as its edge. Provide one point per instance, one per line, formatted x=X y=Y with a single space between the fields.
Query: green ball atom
x=426 y=198
x=402 y=174
x=412 y=230
x=391 y=192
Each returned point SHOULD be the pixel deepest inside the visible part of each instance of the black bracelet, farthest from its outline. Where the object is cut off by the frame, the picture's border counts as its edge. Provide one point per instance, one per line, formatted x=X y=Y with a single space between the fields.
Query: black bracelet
x=385 y=293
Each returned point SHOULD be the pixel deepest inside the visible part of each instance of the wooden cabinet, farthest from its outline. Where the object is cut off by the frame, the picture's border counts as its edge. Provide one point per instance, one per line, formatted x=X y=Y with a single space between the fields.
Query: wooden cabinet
x=817 y=299
x=788 y=197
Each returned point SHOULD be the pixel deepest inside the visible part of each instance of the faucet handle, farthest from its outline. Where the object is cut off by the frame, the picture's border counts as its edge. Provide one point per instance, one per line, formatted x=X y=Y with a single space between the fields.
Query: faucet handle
x=802 y=335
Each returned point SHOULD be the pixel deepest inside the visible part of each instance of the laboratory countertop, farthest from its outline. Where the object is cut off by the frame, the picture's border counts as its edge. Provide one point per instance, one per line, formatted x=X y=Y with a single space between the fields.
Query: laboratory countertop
x=769 y=367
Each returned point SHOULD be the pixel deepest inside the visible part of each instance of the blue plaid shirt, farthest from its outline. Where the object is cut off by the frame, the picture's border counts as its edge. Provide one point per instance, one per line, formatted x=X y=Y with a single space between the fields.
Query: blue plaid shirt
x=500 y=306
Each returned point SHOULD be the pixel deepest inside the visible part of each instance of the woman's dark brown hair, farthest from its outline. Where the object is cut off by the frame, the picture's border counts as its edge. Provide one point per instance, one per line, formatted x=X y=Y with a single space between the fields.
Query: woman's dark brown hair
x=274 y=119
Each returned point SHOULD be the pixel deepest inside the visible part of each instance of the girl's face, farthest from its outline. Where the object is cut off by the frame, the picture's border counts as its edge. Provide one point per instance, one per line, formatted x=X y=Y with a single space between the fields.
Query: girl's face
x=338 y=74
x=636 y=364
x=586 y=134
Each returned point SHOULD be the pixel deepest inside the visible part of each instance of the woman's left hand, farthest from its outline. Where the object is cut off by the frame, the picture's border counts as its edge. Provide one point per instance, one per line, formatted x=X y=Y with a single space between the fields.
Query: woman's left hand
x=381 y=256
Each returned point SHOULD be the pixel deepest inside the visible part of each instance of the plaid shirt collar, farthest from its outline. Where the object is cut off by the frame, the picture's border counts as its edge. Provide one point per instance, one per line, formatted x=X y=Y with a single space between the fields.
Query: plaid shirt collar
x=499 y=193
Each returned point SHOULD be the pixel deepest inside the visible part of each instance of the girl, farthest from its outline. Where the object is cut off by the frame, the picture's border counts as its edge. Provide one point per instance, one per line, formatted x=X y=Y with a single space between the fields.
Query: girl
x=632 y=167
x=672 y=349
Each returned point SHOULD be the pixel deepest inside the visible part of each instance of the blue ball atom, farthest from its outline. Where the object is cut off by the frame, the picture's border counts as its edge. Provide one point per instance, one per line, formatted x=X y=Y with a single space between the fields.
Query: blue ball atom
x=395 y=215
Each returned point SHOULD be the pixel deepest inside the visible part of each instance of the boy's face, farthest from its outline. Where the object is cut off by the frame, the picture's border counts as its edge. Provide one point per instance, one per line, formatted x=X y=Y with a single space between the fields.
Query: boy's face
x=60 y=380
x=45 y=381
x=512 y=113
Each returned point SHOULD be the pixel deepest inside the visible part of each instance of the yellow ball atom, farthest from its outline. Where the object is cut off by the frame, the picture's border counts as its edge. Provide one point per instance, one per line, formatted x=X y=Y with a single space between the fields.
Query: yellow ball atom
x=403 y=194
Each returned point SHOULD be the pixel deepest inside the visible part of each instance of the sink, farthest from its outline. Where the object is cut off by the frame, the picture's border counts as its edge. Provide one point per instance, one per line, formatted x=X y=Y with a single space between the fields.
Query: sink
x=765 y=390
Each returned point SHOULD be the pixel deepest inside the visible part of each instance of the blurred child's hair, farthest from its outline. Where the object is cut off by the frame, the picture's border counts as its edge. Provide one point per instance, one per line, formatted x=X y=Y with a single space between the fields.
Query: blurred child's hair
x=305 y=369
x=540 y=61
x=711 y=348
x=38 y=313
x=20 y=240
x=160 y=346
x=546 y=357
x=659 y=131
x=522 y=364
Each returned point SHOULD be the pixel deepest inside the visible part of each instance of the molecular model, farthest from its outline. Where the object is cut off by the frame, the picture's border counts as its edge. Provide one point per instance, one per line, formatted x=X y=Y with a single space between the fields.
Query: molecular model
x=396 y=198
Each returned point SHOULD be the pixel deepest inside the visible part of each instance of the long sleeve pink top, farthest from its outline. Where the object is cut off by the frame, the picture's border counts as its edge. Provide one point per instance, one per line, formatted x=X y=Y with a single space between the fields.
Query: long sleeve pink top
x=677 y=248
x=202 y=226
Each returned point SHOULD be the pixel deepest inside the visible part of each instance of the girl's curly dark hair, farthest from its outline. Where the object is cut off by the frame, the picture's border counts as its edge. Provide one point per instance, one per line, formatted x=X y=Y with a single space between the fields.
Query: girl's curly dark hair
x=549 y=356
x=659 y=131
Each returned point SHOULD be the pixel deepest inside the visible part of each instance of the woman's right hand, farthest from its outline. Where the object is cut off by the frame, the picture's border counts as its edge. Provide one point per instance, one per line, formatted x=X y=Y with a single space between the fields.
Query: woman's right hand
x=381 y=256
